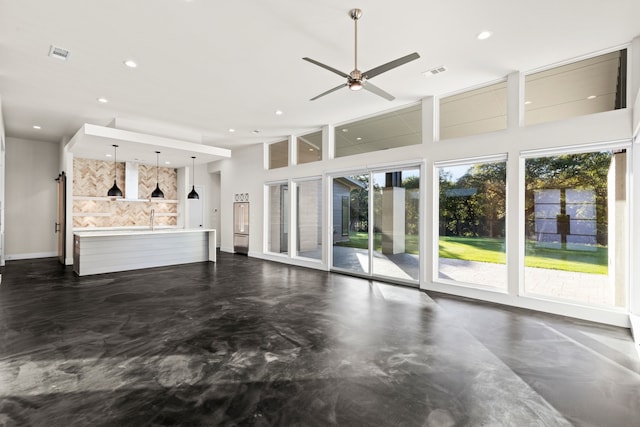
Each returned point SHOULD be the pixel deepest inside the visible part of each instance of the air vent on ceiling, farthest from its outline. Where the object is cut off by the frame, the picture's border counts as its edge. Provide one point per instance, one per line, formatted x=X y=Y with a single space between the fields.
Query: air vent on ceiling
x=434 y=71
x=58 y=52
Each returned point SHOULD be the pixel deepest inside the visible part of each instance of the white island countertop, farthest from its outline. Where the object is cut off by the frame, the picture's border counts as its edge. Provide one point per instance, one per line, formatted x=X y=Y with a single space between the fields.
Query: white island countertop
x=137 y=231
x=109 y=250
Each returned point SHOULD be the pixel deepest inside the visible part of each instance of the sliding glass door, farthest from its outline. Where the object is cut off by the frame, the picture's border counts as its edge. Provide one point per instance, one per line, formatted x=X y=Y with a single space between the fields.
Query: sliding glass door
x=396 y=224
x=351 y=223
x=376 y=223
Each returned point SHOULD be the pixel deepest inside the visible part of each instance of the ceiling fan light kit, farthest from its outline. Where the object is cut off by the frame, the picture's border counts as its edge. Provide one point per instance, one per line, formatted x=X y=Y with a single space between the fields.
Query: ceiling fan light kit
x=357 y=80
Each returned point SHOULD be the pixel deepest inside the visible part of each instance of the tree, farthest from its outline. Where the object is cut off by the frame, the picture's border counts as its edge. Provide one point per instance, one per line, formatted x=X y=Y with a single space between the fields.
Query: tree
x=474 y=205
x=360 y=205
x=490 y=180
x=412 y=204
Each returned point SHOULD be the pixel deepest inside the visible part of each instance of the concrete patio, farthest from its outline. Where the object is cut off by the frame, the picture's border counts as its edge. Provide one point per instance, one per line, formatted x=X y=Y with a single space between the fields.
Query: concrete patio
x=593 y=289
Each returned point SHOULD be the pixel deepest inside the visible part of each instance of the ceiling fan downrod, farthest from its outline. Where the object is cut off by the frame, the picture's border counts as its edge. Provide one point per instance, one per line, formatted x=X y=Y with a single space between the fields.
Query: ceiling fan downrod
x=355 y=82
x=355 y=15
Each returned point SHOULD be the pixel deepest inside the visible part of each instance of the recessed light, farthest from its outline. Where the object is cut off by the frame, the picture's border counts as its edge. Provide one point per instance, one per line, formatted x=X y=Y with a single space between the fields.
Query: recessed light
x=232 y=130
x=130 y=63
x=591 y=97
x=345 y=130
x=102 y=100
x=37 y=127
x=528 y=102
x=108 y=155
x=310 y=149
x=483 y=35
x=278 y=112
x=358 y=139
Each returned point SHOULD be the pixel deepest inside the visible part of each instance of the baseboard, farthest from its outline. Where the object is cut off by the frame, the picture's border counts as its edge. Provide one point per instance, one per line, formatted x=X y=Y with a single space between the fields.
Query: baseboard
x=300 y=262
x=611 y=316
x=635 y=330
x=32 y=255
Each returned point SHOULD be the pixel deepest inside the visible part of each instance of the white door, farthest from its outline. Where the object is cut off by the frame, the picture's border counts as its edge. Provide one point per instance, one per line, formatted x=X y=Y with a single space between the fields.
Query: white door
x=196 y=209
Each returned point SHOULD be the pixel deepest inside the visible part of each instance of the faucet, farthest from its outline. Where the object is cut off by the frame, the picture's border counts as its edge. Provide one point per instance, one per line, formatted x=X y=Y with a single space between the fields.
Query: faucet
x=152 y=217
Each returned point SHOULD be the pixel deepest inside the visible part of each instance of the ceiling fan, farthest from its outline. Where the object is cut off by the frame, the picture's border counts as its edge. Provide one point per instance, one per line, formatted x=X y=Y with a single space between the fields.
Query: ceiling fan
x=357 y=80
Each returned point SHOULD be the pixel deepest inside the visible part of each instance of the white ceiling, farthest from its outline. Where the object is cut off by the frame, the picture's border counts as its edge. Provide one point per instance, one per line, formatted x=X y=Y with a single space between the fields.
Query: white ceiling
x=207 y=66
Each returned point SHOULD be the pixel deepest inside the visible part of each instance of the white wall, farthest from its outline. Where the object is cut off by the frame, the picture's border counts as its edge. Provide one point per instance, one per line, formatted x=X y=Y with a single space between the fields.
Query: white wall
x=634 y=74
x=241 y=174
x=210 y=194
x=2 y=185
x=212 y=207
x=31 y=198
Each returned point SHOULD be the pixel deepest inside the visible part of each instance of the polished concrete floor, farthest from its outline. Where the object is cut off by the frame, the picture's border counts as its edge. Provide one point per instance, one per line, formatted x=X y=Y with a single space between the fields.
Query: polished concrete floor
x=251 y=342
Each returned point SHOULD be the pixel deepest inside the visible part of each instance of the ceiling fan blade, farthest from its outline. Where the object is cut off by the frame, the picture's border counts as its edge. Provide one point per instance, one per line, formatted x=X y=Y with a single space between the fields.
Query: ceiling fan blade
x=375 y=89
x=326 y=67
x=390 y=65
x=329 y=91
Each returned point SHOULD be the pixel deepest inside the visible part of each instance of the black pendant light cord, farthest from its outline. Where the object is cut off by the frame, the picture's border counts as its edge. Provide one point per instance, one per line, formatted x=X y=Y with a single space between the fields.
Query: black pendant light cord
x=157 y=193
x=115 y=191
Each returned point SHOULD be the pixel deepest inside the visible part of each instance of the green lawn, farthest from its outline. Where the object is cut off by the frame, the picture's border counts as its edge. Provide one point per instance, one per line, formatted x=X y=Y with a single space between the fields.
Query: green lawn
x=361 y=241
x=473 y=249
x=492 y=250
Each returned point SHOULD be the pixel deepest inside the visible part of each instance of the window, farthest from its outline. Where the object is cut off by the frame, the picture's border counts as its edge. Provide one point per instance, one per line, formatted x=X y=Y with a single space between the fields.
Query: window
x=472 y=209
x=278 y=239
x=585 y=87
x=279 y=154
x=473 y=112
x=395 y=129
x=575 y=227
x=310 y=147
x=309 y=217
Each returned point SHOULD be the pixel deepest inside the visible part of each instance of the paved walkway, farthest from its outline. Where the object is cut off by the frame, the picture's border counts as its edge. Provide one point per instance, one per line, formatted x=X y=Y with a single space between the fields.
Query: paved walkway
x=581 y=287
x=577 y=287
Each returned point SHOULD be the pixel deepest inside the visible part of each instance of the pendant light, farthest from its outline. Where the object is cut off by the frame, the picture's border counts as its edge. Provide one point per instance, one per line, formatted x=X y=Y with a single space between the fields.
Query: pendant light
x=157 y=193
x=193 y=194
x=115 y=191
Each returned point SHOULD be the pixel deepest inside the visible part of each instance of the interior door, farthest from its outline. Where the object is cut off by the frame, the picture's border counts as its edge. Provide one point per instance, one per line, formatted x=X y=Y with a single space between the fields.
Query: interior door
x=196 y=209
x=60 y=226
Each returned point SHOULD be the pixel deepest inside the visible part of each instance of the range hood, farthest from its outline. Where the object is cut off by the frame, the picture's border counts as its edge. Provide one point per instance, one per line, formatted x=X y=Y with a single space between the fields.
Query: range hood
x=131 y=183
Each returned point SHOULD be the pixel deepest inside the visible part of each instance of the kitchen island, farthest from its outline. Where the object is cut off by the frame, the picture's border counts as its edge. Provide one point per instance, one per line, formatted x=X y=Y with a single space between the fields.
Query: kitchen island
x=106 y=251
